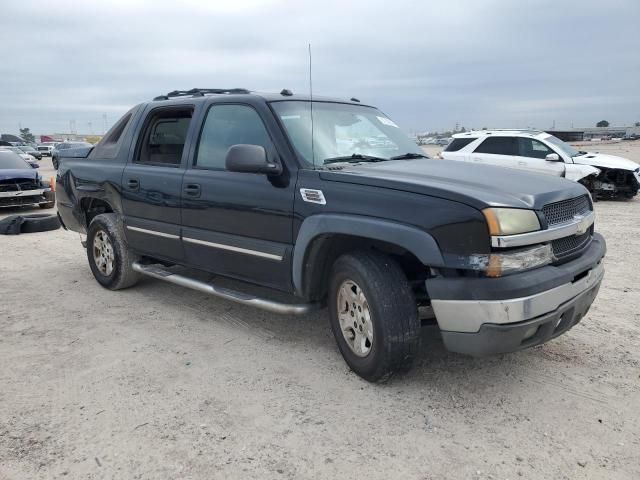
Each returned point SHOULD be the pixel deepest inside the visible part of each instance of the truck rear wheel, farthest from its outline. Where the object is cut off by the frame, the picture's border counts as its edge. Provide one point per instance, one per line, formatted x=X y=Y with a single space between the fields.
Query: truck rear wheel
x=373 y=314
x=109 y=256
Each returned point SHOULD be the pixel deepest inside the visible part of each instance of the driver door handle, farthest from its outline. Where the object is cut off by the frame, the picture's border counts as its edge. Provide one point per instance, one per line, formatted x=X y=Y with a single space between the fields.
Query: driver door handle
x=192 y=189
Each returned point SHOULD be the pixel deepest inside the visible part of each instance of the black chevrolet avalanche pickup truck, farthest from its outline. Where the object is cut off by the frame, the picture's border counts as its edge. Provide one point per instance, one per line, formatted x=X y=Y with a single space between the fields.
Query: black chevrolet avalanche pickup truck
x=327 y=200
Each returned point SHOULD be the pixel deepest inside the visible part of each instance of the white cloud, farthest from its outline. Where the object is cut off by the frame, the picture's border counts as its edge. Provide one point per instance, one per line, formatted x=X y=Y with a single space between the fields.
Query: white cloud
x=426 y=64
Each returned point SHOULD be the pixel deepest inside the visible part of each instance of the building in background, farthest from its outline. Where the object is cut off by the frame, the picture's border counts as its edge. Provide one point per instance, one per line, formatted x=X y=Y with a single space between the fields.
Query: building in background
x=70 y=137
x=582 y=134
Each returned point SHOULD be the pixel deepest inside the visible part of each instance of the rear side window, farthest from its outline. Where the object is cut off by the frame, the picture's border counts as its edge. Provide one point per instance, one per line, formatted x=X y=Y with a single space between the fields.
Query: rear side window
x=498 y=146
x=458 y=143
x=225 y=126
x=116 y=131
x=109 y=146
x=532 y=148
x=163 y=138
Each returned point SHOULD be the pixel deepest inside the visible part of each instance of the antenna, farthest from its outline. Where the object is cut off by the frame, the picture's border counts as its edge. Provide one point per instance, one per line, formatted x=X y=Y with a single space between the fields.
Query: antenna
x=313 y=155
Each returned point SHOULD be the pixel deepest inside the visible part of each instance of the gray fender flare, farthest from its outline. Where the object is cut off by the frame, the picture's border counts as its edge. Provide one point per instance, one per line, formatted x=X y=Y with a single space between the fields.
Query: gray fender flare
x=416 y=241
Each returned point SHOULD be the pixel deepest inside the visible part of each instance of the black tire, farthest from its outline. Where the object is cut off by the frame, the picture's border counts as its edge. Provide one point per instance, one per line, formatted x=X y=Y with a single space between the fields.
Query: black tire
x=47 y=205
x=122 y=274
x=54 y=161
x=39 y=222
x=393 y=314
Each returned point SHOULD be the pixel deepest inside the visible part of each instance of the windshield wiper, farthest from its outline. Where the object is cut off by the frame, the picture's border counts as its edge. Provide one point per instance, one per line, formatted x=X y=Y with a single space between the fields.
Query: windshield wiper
x=408 y=156
x=355 y=158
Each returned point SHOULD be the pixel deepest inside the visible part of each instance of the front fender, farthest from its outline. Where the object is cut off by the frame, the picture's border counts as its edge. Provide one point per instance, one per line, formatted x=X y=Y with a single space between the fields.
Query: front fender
x=412 y=239
x=575 y=172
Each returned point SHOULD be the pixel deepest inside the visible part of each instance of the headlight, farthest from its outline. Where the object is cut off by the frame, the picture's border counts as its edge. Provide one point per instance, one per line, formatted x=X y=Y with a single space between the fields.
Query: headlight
x=511 y=221
x=500 y=264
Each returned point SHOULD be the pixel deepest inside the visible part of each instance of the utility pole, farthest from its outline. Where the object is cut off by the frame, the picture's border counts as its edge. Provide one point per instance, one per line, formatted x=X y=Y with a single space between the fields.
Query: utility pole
x=104 y=119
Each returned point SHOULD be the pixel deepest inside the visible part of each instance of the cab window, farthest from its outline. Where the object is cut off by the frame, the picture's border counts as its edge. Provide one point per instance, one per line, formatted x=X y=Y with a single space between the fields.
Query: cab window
x=498 y=146
x=225 y=126
x=163 y=138
x=532 y=148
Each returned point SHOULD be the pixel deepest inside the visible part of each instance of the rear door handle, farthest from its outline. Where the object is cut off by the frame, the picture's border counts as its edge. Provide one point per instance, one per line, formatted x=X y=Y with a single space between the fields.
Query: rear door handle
x=192 y=189
x=133 y=184
x=522 y=164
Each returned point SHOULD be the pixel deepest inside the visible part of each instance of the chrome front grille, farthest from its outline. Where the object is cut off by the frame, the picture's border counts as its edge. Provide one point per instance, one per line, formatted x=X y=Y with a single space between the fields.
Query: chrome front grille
x=15 y=186
x=564 y=210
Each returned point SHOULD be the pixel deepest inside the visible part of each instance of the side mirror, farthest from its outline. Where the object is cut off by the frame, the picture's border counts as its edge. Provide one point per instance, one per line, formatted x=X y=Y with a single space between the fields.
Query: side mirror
x=552 y=157
x=34 y=165
x=250 y=159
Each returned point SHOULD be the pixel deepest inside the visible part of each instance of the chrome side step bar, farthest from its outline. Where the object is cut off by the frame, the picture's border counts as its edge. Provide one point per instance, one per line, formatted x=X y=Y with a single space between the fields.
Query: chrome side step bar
x=161 y=273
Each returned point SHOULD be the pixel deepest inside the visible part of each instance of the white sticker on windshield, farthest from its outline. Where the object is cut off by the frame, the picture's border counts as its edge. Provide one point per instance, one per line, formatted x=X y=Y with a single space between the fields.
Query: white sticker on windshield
x=387 y=121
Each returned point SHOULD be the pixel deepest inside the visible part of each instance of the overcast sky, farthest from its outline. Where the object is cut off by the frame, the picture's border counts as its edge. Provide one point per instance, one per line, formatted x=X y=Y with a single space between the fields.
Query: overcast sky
x=428 y=65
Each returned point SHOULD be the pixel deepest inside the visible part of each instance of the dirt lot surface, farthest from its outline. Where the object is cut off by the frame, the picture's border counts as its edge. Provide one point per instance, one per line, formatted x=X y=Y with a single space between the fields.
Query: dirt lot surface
x=163 y=382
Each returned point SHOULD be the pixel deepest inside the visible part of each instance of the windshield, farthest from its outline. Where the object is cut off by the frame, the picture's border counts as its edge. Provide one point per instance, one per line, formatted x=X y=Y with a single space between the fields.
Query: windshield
x=9 y=160
x=565 y=147
x=341 y=131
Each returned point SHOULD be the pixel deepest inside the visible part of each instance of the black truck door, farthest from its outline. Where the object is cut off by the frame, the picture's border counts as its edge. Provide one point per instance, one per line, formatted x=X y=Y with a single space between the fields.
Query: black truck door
x=152 y=182
x=236 y=224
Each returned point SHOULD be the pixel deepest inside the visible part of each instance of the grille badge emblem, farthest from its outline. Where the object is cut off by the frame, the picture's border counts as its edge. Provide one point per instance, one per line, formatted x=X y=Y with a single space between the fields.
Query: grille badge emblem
x=583 y=224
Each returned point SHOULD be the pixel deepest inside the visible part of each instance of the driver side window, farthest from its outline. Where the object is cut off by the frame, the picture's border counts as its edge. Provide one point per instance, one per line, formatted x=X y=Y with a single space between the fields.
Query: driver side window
x=225 y=126
x=532 y=148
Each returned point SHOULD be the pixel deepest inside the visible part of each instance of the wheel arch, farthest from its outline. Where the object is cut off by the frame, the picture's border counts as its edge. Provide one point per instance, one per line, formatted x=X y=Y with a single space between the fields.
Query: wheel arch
x=92 y=206
x=323 y=238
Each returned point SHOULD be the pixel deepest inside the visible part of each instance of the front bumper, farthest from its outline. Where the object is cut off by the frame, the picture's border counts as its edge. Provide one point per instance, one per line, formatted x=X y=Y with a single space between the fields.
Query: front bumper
x=488 y=317
x=25 y=197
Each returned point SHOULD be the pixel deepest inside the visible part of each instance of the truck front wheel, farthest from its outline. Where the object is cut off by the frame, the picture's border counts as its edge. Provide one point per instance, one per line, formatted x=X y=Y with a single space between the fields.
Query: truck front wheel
x=373 y=314
x=109 y=256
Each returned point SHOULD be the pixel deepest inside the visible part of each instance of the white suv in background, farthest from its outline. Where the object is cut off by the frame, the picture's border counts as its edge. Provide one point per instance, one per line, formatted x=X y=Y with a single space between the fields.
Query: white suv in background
x=604 y=175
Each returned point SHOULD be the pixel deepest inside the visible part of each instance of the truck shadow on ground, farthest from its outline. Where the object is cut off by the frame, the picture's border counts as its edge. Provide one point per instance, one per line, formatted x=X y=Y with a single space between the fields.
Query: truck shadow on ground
x=311 y=332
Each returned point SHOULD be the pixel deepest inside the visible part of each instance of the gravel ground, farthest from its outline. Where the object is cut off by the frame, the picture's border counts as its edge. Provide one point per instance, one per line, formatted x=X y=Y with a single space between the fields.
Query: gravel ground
x=162 y=382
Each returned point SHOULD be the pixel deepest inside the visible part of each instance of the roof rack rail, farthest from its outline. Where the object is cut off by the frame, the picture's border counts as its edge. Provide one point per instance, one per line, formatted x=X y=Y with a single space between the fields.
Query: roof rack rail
x=200 y=92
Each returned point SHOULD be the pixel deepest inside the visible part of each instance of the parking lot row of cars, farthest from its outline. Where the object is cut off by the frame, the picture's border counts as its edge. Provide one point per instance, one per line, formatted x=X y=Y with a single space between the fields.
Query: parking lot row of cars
x=33 y=152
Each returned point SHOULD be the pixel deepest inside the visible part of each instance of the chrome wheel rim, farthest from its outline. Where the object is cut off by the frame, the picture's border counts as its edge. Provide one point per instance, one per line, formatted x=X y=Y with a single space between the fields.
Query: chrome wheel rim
x=355 y=318
x=103 y=254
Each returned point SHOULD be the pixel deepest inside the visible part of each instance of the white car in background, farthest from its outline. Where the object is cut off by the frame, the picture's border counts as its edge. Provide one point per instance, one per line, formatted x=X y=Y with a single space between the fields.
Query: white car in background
x=604 y=175
x=46 y=148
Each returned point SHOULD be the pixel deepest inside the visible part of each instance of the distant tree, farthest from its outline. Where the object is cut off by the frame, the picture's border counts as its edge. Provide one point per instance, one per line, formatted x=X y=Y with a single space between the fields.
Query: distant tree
x=484 y=128
x=27 y=136
x=637 y=124
x=463 y=129
x=602 y=123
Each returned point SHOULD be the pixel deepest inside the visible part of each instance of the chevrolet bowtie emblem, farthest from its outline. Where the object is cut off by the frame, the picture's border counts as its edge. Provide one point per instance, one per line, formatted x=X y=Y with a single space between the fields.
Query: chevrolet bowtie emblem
x=583 y=224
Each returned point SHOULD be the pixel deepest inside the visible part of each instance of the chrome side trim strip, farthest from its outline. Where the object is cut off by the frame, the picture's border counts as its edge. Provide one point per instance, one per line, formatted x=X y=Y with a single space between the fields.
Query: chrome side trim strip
x=153 y=232
x=469 y=315
x=160 y=273
x=578 y=226
x=231 y=248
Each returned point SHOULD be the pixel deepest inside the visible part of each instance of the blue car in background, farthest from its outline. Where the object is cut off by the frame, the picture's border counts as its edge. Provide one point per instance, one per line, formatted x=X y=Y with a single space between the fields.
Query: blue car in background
x=21 y=184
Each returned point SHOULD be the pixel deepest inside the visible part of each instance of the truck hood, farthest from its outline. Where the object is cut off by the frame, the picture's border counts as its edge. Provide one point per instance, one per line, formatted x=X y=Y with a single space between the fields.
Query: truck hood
x=606 y=161
x=479 y=186
x=21 y=173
